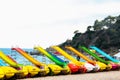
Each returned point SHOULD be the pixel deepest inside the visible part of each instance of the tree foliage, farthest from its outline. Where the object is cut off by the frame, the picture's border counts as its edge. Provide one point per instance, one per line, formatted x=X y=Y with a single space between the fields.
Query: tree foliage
x=105 y=34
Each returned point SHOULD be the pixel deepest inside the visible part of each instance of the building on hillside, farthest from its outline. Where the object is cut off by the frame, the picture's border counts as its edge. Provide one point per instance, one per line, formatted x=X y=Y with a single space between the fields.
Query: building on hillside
x=117 y=56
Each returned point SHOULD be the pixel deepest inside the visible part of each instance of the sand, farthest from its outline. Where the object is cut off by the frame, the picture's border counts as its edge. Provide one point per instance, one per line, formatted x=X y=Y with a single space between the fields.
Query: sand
x=109 y=75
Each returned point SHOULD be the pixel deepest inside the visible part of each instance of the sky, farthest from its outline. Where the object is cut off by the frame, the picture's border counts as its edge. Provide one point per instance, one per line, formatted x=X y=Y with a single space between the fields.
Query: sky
x=28 y=23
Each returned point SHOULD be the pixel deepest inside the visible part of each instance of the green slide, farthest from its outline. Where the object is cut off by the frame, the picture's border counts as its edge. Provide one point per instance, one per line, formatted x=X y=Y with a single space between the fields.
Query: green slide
x=93 y=54
x=104 y=65
x=50 y=56
x=64 y=68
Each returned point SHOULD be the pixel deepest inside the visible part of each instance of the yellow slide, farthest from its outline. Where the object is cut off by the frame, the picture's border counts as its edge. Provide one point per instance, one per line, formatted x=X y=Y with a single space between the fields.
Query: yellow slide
x=25 y=70
x=7 y=60
x=9 y=71
x=68 y=56
x=65 y=54
x=80 y=54
x=20 y=71
x=44 y=70
x=58 y=66
x=97 y=66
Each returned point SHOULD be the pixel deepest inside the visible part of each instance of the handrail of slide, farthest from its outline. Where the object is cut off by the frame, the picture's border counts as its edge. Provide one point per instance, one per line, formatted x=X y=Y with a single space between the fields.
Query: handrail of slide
x=9 y=61
x=30 y=58
x=80 y=54
x=104 y=54
x=93 y=54
x=43 y=51
x=12 y=59
x=65 y=54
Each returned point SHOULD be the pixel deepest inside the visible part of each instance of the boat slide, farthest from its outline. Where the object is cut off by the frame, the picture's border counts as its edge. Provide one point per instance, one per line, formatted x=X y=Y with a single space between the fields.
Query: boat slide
x=96 y=66
x=13 y=65
x=114 y=62
x=86 y=67
x=108 y=64
x=22 y=71
x=62 y=65
x=44 y=70
x=73 y=68
x=56 y=57
x=104 y=54
x=80 y=54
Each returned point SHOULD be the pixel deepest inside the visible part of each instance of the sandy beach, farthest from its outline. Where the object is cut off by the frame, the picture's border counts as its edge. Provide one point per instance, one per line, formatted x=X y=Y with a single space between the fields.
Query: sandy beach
x=109 y=75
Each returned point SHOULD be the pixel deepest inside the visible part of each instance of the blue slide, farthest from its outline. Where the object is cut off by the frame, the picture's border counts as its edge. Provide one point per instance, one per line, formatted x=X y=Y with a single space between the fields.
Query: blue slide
x=56 y=57
x=2 y=63
x=104 y=54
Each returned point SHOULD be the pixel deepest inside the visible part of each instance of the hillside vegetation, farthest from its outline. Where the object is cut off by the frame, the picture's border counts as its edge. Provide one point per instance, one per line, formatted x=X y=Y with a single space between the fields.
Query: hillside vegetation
x=104 y=34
